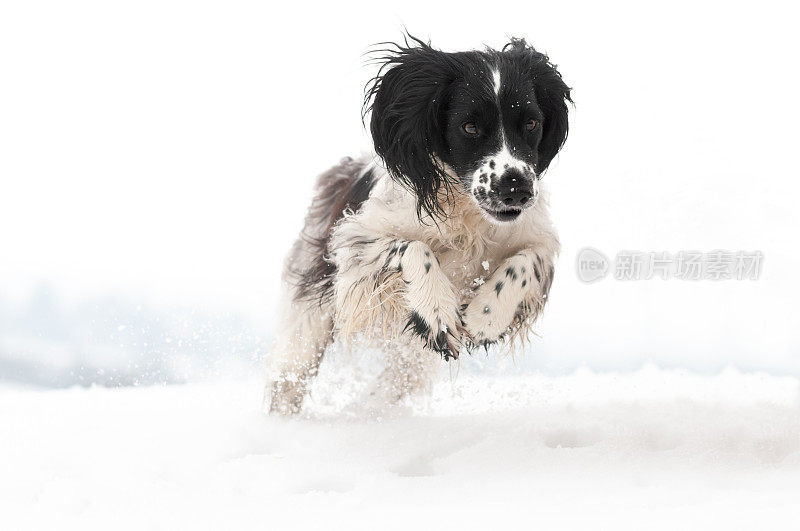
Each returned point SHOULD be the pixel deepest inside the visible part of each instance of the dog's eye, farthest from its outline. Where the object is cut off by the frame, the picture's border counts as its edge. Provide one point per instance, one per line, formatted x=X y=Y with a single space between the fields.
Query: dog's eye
x=470 y=128
x=530 y=125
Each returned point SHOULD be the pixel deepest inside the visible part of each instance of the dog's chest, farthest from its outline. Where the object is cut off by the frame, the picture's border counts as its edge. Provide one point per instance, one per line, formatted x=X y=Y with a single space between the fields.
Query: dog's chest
x=469 y=268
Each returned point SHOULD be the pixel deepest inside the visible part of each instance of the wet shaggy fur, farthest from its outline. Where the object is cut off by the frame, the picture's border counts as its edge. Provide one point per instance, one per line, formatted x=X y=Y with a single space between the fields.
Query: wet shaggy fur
x=341 y=189
x=440 y=242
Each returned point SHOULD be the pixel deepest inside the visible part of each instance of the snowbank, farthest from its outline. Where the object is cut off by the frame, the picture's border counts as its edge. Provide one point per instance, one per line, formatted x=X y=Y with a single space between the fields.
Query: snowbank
x=655 y=448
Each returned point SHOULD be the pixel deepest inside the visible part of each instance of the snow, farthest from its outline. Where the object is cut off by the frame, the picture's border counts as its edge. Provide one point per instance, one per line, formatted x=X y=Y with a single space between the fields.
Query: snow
x=665 y=448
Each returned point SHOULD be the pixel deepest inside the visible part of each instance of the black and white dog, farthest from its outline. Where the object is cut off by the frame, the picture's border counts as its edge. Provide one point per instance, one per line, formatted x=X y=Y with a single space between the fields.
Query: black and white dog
x=443 y=241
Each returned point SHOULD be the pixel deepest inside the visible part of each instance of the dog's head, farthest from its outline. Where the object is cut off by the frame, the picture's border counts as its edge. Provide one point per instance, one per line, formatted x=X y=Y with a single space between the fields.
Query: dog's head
x=482 y=123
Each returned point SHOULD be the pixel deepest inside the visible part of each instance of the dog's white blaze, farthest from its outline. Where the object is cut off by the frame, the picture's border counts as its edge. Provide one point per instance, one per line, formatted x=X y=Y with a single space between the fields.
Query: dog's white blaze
x=504 y=160
x=496 y=80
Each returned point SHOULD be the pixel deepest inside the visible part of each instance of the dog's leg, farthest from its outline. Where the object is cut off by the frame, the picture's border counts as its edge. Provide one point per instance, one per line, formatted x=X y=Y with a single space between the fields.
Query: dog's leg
x=428 y=297
x=296 y=355
x=516 y=292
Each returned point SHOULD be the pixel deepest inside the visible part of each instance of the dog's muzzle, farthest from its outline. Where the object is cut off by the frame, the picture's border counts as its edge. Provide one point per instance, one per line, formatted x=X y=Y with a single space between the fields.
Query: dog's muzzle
x=511 y=194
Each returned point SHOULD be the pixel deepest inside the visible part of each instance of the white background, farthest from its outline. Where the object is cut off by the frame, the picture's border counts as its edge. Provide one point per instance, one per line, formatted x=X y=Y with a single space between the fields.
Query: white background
x=156 y=160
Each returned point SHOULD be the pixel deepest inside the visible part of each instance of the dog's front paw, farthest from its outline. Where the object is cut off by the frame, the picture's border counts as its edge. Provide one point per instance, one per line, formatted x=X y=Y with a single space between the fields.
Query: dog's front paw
x=498 y=302
x=432 y=300
x=486 y=319
x=440 y=330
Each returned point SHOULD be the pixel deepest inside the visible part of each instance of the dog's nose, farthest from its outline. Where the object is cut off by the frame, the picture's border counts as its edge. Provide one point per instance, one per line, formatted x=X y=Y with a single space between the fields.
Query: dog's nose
x=513 y=189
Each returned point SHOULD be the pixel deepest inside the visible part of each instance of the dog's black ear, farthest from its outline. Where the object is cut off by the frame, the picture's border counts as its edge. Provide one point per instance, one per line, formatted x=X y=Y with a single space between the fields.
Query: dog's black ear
x=407 y=99
x=552 y=95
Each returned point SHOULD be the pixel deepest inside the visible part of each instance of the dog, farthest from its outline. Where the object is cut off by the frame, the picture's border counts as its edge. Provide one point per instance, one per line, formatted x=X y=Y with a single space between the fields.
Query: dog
x=441 y=242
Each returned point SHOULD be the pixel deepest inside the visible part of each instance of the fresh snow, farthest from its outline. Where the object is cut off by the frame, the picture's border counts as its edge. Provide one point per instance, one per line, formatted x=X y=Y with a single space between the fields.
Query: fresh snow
x=652 y=448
